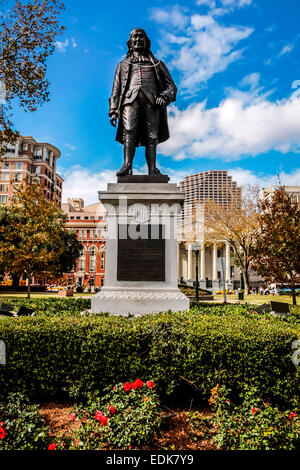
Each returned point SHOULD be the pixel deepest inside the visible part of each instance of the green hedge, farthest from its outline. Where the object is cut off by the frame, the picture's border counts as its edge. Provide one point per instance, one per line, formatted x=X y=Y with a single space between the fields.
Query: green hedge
x=50 y=306
x=47 y=355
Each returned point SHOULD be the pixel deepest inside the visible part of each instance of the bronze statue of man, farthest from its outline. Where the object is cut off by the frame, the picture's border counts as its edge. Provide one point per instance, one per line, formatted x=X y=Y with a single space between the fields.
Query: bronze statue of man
x=142 y=89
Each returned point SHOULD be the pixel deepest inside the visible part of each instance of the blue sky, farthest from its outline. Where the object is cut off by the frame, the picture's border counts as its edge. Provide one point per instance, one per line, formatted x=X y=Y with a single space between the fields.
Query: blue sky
x=236 y=66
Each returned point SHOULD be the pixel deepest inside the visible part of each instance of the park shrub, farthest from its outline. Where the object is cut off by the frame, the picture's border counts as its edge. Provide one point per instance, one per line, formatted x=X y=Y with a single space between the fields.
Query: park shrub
x=50 y=306
x=188 y=351
x=252 y=424
x=125 y=417
x=21 y=425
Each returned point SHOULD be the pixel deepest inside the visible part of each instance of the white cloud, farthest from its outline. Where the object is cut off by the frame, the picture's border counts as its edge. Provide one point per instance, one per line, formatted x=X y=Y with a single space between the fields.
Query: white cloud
x=198 y=46
x=244 y=124
x=69 y=146
x=286 y=49
x=80 y=182
x=244 y=177
x=173 y=16
x=62 y=46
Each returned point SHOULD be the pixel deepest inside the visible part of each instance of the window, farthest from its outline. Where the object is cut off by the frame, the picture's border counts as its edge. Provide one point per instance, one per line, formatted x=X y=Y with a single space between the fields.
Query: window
x=18 y=177
x=18 y=165
x=5 y=177
x=3 y=198
x=92 y=259
x=4 y=188
x=5 y=165
x=102 y=262
x=38 y=153
x=81 y=261
x=10 y=149
x=25 y=147
x=102 y=281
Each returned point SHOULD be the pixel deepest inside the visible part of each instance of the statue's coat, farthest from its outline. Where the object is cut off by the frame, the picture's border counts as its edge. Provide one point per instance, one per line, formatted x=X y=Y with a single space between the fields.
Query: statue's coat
x=166 y=89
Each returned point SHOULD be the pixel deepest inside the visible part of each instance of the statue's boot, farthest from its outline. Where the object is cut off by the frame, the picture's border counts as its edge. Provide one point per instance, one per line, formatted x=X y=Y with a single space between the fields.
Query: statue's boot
x=151 y=159
x=129 y=151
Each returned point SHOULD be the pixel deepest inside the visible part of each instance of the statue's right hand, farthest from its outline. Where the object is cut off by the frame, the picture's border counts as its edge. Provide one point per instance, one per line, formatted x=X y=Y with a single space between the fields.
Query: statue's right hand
x=113 y=119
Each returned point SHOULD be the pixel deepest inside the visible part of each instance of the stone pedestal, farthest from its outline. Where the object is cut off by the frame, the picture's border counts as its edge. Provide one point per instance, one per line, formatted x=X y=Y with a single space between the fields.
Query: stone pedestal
x=141 y=249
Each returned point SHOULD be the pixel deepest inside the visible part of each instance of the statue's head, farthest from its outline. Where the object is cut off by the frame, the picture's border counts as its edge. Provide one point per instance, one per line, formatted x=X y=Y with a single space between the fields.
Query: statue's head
x=138 y=41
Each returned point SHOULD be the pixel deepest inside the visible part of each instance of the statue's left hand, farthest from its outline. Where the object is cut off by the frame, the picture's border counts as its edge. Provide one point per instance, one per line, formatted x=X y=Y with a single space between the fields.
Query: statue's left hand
x=160 y=101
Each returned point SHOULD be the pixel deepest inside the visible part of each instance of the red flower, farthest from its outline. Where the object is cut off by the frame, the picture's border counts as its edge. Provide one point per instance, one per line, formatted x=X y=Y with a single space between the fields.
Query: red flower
x=52 y=446
x=150 y=383
x=2 y=433
x=130 y=447
x=98 y=415
x=254 y=410
x=292 y=415
x=134 y=385
x=104 y=420
x=228 y=401
x=72 y=417
x=127 y=387
x=111 y=409
x=267 y=404
x=115 y=388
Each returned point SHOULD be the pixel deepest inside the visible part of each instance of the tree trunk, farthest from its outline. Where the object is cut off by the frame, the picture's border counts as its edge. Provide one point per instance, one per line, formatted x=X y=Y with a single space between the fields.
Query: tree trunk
x=246 y=280
x=293 y=293
x=28 y=288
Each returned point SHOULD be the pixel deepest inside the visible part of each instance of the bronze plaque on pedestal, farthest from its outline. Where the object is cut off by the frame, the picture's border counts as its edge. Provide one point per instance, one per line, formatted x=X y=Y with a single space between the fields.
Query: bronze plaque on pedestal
x=142 y=259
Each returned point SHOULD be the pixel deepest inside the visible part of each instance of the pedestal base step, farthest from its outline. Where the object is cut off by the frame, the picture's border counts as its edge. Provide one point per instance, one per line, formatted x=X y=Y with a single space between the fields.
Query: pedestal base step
x=144 y=179
x=138 y=301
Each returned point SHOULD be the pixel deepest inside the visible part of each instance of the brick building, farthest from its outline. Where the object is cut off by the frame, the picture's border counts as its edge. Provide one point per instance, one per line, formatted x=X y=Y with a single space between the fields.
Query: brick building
x=90 y=227
x=33 y=162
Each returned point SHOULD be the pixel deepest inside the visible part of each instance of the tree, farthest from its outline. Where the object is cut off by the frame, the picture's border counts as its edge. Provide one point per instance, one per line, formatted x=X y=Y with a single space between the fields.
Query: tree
x=27 y=38
x=276 y=256
x=235 y=224
x=33 y=237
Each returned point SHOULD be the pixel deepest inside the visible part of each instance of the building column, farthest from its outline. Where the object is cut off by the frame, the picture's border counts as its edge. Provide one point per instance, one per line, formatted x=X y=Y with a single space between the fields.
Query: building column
x=202 y=267
x=17 y=148
x=215 y=278
x=227 y=274
x=202 y=263
x=214 y=263
x=190 y=263
x=178 y=261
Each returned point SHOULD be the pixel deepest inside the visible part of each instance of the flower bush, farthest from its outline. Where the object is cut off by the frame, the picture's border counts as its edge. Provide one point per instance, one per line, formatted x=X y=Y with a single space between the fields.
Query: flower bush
x=254 y=424
x=127 y=416
x=21 y=425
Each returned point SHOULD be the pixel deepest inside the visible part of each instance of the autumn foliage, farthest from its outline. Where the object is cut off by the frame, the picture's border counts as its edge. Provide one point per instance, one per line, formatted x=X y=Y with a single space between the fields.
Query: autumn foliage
x=33 y=237
x=27 y=38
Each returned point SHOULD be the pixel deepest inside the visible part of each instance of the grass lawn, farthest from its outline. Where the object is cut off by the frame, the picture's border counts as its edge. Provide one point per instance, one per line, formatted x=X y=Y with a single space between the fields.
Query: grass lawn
x=256 y=299
x=5 y=295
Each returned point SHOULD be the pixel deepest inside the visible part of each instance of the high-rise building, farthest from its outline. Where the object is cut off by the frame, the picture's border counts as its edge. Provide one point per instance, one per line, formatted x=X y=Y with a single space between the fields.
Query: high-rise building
x=33 y=162
x=214 y=185
x=90 y=226
x=217 y=186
